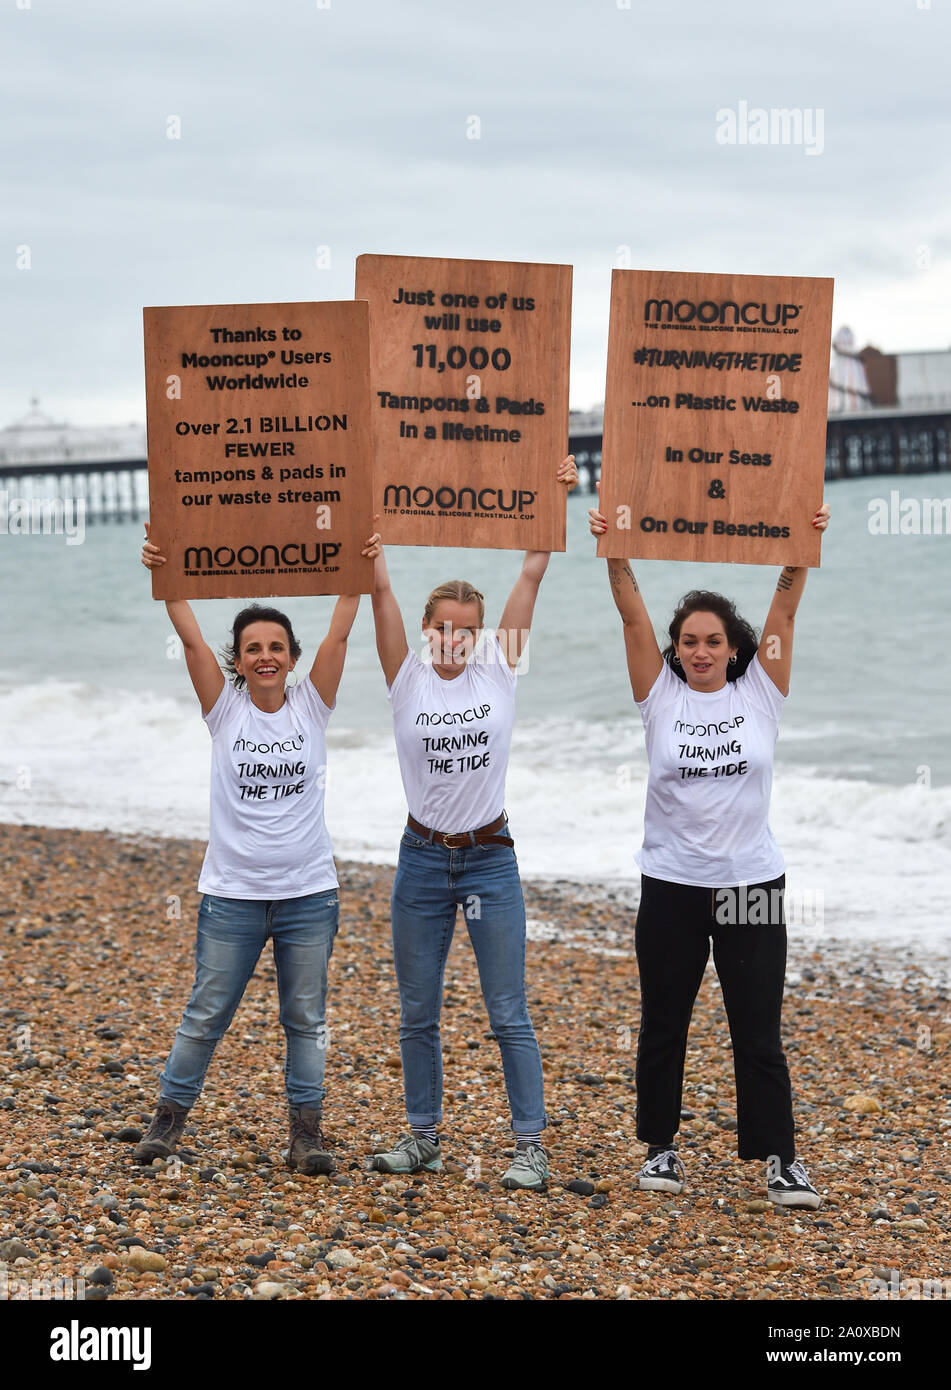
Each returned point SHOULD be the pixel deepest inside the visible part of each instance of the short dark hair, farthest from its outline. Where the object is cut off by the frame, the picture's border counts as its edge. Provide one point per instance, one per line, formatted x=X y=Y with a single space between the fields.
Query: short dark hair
x=255 y=613
x=738 y=631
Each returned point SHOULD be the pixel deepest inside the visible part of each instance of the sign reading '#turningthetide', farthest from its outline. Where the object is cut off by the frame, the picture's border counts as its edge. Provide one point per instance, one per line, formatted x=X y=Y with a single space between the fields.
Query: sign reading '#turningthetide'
x=469 y=399
x=715 y=417
x=259 y=448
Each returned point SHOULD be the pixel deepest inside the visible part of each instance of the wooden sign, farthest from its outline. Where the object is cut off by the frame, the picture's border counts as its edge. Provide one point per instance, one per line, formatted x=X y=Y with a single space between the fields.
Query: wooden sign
x=259 y=448
x=469 y=399
x=715 y=417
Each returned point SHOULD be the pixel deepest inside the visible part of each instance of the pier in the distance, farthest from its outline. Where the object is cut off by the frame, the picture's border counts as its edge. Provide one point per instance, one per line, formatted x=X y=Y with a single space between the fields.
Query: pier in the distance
x=888 y=414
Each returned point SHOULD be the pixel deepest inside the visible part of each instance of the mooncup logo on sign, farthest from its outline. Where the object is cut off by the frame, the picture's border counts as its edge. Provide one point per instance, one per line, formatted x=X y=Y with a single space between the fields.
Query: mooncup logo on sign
x=464 y=499
x=725 y=314
x=251 y=557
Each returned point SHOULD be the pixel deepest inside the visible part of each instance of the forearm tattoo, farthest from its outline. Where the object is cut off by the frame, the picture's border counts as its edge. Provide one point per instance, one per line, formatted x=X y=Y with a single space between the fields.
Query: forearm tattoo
x=787 y=577
x=618 y=576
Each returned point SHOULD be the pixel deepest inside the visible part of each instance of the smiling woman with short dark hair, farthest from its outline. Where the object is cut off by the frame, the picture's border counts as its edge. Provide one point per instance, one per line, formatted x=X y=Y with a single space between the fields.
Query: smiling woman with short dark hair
x=269 y=869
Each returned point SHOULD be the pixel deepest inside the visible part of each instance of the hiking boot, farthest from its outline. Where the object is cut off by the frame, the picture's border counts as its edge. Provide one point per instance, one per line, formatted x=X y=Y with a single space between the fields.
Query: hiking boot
x=528 y=1169
x=409 y=1155
x=161 y=1138
x=307 y=1151
x=790 y=1187
x=662 y=1173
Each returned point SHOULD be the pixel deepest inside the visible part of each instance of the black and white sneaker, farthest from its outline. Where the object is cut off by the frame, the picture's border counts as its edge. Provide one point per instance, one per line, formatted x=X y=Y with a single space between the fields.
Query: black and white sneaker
x=790 y=1187
x=662 y=1173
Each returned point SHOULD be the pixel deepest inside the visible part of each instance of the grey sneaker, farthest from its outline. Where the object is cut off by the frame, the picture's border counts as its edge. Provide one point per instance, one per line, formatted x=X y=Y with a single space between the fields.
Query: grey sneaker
x=163 y=1134
x=528 y=1169
x=409 y=1155
x=662 y=1173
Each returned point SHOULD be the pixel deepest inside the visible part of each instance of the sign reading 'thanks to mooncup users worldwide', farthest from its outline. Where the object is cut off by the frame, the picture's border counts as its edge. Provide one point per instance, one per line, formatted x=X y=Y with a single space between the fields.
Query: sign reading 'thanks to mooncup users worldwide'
x=469 y=399
x=715 y=417
x=259 y=448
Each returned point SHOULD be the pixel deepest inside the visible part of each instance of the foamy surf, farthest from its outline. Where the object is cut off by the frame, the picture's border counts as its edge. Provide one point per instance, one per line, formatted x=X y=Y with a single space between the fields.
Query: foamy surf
x=864 y=859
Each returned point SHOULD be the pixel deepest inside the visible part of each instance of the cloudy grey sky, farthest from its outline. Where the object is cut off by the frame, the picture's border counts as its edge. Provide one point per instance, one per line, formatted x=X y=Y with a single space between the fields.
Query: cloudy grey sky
x=343 y=124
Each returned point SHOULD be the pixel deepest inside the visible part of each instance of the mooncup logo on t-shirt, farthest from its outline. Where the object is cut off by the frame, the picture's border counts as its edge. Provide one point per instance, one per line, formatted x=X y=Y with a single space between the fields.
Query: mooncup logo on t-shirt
x=453 y=738
x=704 y=759
x=456 y=744
x=711 y=766
x=267 y=835
x=256 y=779
x=464 y=716
x=287 y=745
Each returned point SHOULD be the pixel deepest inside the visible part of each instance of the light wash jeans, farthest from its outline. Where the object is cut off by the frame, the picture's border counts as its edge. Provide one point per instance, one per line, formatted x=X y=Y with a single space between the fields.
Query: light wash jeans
x=431 y=882
x=231 y=936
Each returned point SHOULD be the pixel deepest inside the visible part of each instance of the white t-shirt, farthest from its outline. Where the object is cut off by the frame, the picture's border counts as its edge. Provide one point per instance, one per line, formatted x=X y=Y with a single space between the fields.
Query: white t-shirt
x=453 y=738
x=267 y=838
x=710 y=757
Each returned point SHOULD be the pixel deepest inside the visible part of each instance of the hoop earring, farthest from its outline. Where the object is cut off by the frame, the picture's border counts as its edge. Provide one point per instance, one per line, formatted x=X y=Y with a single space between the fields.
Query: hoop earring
x=675 y=659
x=733 y=659
x=290 y=682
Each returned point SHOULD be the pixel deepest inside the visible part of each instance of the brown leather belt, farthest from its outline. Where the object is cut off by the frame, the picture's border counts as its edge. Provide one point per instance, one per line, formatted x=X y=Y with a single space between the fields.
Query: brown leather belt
x=485 y=835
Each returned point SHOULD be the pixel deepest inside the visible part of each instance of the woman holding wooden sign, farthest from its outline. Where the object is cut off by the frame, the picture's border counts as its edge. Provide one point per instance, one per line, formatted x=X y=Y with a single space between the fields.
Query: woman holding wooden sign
x=269 y=868
x=453 y=723
x=709 y=864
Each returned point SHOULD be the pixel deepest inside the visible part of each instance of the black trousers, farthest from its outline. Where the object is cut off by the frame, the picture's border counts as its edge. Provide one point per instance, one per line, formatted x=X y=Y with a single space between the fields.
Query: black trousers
x=674 y=928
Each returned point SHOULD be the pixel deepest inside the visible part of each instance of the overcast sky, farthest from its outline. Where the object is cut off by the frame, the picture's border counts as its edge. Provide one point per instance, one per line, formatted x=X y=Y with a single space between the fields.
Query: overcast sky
x=343 y=124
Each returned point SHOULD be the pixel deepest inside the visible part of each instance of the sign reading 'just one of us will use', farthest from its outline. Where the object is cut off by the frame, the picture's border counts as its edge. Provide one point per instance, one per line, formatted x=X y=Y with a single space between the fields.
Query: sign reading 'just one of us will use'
x=469 y=399
x=715 y=417
x=259 y=448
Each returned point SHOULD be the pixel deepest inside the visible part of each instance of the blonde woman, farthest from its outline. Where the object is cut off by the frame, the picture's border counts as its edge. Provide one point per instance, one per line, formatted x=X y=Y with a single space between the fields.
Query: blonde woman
x=453 y=721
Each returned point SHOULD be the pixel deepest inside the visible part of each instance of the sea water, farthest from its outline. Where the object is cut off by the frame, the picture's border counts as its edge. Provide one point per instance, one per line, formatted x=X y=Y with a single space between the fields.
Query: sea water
x=101 y=729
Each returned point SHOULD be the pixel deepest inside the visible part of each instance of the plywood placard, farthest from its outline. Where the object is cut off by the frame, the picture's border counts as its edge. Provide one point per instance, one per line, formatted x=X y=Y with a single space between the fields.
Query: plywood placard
x=259 y=448
x=715 y=417
x=469 y=399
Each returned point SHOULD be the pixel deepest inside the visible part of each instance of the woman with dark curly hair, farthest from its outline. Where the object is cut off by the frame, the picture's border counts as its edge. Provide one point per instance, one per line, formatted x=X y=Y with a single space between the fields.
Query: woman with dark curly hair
x=710 y=867
x=269 y=868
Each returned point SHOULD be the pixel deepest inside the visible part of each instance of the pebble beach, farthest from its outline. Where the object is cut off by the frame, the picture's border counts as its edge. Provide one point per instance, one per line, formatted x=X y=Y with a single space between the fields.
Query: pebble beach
x=96 y=962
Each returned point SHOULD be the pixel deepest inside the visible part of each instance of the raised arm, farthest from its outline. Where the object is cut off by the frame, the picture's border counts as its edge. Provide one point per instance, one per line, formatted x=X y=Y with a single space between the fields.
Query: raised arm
x=207 y=676
x=776 y=643
x=332 y=653
x=643 y=654
x=516 y=620
x=391 y=641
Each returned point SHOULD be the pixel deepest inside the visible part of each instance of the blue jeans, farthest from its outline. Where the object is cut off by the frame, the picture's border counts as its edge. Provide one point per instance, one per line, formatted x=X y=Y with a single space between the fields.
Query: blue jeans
x=431 y=882
x=231 y=936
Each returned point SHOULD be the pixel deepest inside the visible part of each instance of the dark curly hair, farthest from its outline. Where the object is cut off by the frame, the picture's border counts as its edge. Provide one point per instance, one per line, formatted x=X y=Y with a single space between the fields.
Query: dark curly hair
x=738 y=631
x=256 y=613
